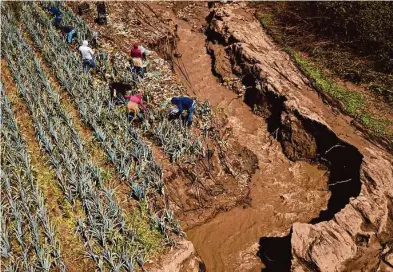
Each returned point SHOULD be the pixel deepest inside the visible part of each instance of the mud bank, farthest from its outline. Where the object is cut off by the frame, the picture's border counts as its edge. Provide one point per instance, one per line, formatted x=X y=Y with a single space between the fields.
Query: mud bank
x=357 y=221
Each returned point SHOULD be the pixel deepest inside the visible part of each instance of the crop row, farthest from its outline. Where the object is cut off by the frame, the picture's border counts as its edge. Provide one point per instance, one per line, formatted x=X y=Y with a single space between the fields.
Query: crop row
x=176 y=139
x=109 y=240
x=23 y=214
x=132 y=157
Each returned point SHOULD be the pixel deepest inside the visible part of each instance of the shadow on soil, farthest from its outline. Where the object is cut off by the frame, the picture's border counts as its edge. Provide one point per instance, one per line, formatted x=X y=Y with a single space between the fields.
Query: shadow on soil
x=340 y=158
x=275 y=253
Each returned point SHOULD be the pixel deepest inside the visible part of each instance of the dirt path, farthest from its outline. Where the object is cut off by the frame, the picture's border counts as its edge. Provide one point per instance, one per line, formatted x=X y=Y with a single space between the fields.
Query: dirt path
x=282 y=192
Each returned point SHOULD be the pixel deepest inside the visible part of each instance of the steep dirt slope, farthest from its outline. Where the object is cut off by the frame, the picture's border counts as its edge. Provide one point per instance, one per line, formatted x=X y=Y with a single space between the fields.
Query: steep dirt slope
x=357 y=221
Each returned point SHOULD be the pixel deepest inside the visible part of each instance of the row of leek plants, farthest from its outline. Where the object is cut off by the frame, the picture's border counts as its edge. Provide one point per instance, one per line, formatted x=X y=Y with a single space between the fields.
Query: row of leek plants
x=23 y=214
x=109 y=241
x=175 y=139
x=132 y=158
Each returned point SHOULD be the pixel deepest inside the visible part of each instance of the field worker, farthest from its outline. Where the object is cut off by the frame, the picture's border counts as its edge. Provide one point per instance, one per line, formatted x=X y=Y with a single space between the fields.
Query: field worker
x=145 y=53
x=133 y=106
x=119 y=88
x=87 y=56
x=69 y=32
x=58 y=15
x=94 y=38
x=185 y=103
x=136 y=58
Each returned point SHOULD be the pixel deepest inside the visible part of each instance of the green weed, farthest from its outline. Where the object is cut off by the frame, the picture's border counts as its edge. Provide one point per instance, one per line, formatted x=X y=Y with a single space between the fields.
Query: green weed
x=353 y=103
x=379 y=126
x=149 y=237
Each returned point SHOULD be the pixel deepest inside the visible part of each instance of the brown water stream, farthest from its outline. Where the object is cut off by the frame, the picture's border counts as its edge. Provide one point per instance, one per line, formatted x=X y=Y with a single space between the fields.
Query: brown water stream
x=282 y=191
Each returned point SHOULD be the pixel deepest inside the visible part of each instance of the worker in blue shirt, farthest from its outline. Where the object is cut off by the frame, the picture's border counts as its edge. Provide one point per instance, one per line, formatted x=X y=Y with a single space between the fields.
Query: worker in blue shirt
x=69 y=32
x=57 y=13
x=185 y=103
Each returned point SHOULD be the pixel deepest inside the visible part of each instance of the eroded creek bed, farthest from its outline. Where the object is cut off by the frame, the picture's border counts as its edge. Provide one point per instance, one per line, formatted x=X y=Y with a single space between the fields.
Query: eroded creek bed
x=282 y=191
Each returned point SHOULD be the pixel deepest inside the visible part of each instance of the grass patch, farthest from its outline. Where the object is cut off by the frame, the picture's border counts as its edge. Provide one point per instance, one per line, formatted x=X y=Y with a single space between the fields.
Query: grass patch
x=379 y=126
x=150 y=238
x=353 y=103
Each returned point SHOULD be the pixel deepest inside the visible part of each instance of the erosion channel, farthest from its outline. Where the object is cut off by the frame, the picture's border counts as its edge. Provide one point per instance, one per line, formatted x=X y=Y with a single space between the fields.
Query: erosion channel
x=308 y=166
x=282 y=191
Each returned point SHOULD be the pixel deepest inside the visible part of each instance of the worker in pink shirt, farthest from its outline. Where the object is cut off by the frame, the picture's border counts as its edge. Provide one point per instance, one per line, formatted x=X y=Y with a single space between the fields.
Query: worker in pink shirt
x=134 y=102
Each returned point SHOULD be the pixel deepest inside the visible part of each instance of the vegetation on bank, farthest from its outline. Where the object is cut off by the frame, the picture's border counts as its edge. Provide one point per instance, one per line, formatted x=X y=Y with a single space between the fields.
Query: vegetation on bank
x=345 y=40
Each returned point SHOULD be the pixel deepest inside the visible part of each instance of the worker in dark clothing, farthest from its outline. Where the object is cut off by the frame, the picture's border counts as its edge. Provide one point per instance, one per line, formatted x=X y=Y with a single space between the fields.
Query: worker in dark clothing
x=185 y=103
x=118 y=89
x=58 y=15
x=69 y=32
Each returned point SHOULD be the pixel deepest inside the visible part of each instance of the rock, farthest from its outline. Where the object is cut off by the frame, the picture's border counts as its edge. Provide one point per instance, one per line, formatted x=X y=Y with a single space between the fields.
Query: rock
x=181 y=258
x=297 y=144
x=324 y=246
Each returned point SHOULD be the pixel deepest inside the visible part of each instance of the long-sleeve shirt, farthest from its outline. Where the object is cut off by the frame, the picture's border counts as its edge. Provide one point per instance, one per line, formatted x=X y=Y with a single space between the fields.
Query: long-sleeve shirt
x=55 y=11
x=66 y=29
x=136 y=99
x=86 y=52
x=182 y=103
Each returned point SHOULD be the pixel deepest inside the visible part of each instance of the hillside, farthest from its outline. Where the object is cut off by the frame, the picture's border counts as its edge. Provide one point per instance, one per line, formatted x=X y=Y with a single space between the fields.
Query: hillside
x=287 y=166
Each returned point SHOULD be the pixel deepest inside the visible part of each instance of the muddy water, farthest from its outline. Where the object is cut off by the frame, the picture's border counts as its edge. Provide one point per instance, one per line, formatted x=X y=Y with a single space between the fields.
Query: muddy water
x=282 y=191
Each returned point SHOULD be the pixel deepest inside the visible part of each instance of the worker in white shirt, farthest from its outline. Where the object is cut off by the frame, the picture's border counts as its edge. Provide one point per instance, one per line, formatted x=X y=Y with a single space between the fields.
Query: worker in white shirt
x=87 y=56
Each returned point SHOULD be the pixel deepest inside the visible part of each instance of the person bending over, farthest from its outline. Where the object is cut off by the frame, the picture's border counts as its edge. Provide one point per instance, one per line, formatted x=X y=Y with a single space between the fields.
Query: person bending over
x=185 y=103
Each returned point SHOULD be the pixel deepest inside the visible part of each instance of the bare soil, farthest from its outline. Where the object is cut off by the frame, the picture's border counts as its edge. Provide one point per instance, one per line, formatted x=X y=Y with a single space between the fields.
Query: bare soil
x=196 y=192
x=272 y=81
x=344 y=65
x=278 y=189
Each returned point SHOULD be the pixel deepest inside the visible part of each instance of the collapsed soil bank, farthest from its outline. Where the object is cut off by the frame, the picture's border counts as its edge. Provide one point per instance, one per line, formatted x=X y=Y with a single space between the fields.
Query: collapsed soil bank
x=361 y=177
